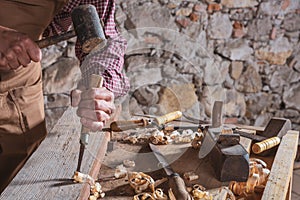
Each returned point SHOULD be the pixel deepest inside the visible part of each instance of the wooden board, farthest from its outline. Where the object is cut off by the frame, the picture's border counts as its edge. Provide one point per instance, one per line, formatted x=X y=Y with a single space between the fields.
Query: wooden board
x=279 y=181
x=48 y=172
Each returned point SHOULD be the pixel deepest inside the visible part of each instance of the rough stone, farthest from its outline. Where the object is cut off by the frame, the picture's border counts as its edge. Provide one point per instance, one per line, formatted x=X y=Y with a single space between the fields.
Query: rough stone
x=147 y=95
x=283 y=76
x=178 y=97
x=270 y=7
x=236 y=69
x=260 y=29
x=157 y=16
x=144 y=77
x=291 y=96
x=294 y=62
x=50 y=55
x=234 y=104
x=292 y=22
x=257 y=104
x=219 y=26
x=238 y=3
x=215 y=73
x=209 y=95
x=277 y=52
x=247 y=14
x=236 y=49
x=184 y=12
x=249 y=81
x=62 y=76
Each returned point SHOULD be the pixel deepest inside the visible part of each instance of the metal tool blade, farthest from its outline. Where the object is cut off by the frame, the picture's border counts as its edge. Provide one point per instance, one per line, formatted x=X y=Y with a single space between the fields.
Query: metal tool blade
x=212 y=133
x=162 y=161
x=210 y=140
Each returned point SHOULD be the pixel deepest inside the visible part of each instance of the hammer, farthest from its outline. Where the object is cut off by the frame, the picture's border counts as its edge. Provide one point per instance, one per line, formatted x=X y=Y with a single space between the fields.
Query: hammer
x=87 y=28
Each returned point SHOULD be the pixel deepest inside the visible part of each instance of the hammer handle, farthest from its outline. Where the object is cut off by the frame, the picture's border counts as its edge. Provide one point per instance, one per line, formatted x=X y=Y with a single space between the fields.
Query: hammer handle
x=167 y=118
x=55 y=39
x=265 y=145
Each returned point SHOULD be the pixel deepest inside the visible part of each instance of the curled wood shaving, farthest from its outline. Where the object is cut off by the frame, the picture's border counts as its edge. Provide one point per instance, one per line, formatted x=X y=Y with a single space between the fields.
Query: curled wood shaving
x=158 y=194
x=258 y=176
x=140 y=181
x=143 y=196
x=197 y=141
x=190 y=176
x=199 y=192
x=120 y=171
x=79 y=177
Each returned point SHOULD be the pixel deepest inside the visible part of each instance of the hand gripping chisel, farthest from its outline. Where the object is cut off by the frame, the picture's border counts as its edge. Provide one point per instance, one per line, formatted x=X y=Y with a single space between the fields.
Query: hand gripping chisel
x=95 y=82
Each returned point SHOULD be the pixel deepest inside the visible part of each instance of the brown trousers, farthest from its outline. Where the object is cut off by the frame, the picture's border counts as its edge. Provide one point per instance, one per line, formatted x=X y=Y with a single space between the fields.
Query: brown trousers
x=22 y=119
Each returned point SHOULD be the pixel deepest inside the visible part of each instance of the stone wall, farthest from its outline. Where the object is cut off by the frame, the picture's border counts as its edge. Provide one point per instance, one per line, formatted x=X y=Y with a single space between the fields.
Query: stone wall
x=187 y=54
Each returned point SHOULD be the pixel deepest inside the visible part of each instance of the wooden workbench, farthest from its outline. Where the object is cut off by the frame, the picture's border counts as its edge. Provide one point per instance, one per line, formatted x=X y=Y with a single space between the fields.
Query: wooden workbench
x=48 y=173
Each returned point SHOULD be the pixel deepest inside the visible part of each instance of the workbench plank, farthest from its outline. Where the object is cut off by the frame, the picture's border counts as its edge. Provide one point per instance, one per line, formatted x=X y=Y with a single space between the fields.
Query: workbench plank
x=48 y=172
x=282 y=168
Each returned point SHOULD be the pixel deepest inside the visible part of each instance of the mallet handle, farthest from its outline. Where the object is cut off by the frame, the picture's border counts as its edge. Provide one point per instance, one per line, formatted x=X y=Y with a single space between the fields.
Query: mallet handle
x=55 y=39
x=265 y=145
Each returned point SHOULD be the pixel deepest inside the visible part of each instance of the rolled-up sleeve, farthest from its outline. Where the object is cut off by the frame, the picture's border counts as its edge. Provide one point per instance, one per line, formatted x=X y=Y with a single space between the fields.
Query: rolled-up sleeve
x=108 y=61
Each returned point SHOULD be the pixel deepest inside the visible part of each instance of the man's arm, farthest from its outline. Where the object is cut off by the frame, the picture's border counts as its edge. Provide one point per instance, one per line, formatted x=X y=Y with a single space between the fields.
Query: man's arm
x=109 y=62
x=96 y=105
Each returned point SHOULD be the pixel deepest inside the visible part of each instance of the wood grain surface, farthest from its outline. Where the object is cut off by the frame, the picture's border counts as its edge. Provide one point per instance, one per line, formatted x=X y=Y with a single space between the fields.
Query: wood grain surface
x=48 y=172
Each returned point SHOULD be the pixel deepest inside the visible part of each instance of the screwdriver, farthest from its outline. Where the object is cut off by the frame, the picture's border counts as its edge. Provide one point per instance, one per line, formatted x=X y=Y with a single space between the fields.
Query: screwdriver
x=158 y=122
x=95 y=82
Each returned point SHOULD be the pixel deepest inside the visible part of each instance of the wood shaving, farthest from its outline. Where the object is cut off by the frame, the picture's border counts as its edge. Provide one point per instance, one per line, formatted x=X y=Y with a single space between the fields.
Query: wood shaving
x=258 y=177
x=140 y=181
x=120 y=171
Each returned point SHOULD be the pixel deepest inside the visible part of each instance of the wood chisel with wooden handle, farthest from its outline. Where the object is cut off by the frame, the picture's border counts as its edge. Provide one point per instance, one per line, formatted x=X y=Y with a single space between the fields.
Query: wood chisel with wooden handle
x=118 y=126
x=176 y=183
x=95 y=82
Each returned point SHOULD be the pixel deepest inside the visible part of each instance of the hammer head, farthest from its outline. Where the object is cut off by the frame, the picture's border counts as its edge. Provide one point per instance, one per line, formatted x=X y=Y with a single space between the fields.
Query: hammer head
x=88 y=28
x=277 y=127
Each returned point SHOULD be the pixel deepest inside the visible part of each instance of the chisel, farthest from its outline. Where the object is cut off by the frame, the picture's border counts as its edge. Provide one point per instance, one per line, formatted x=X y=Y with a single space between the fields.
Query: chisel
x=95 y=82
x=175 y=181
x=118 y=126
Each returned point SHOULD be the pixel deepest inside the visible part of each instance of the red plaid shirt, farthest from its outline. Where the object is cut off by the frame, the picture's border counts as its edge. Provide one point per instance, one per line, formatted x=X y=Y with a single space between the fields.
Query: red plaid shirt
x=109 y=62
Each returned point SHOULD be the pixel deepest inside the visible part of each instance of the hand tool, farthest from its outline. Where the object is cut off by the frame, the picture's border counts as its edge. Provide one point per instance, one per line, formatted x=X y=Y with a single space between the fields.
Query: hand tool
x=274 y=131
x=213 y=132
x=228 y=157
x=158 y=122
x=175 y=181
x=87 y=28
x=96 y=81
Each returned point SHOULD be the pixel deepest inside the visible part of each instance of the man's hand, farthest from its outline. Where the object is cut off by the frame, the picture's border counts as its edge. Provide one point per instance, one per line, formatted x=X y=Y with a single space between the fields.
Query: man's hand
x=16 y=49
x=95 y=107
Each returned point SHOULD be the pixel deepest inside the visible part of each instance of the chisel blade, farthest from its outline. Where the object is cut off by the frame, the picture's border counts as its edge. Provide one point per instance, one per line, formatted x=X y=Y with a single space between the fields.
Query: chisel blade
x=162 y=161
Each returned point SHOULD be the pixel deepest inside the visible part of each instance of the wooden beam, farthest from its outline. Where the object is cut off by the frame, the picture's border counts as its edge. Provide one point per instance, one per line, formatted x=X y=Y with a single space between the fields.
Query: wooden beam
x=48 y=172
x=282 y=168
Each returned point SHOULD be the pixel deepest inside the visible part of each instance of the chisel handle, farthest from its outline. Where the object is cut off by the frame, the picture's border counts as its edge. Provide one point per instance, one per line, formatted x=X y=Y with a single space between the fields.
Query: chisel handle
x=95 y=82
x=167 y=118
x=119 y=126
x=178 y=187
x=265 y=145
